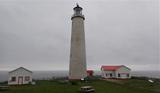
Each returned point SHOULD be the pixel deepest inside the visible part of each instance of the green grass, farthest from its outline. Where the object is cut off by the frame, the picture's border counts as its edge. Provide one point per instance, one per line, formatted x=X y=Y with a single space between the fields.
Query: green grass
x=144 y=84
x=130 y=86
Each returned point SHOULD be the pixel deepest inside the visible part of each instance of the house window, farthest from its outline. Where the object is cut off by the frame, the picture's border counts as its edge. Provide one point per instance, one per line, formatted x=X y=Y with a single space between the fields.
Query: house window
x=119 y=75
x=127 y=75
x=110 y=74
x=106 y=75
x=27 y=78
x=13 y=78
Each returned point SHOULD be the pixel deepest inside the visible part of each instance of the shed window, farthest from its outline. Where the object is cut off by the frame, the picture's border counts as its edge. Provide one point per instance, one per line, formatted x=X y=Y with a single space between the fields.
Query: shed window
x=13 y=78
x=27 y=78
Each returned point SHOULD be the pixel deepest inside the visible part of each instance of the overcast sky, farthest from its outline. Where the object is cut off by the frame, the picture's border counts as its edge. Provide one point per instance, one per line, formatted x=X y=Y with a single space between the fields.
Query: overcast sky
x=36 y=33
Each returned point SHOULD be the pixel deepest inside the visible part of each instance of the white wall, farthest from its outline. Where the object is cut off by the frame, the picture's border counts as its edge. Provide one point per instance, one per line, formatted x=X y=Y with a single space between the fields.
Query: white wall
x=123 y=70
x=108 y=72
x=78 y=53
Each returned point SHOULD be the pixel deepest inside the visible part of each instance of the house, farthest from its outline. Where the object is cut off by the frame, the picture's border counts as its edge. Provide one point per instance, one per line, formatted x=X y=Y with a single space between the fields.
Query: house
x=20 y=76
x=118 y=72
x=90 y=72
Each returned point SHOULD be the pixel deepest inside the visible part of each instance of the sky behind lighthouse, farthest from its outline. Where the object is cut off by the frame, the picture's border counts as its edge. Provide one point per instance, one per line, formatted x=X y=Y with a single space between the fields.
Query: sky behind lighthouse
x=36 y=33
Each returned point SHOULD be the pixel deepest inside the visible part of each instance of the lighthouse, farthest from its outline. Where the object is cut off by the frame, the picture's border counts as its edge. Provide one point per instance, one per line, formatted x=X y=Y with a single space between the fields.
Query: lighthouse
x=77 y=67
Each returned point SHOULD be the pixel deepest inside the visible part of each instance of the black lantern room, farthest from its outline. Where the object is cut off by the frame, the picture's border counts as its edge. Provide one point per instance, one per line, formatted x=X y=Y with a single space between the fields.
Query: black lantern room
x=77 y=12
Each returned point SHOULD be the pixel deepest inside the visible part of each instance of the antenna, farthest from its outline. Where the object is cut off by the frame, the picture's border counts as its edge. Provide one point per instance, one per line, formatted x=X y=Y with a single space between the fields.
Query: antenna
x=77 y=4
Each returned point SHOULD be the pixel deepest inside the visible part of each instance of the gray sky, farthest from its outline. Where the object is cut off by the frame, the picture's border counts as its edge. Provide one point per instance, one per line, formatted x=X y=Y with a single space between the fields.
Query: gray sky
x=36 y=33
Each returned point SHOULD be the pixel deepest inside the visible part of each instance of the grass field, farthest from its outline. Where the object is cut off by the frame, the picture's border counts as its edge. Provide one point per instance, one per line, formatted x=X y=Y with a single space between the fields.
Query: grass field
x=101 y=86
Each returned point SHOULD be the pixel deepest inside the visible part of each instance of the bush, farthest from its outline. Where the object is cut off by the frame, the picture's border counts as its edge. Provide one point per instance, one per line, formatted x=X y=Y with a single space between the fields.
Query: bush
x=92 y=78
x=74 y=82
x=140 y=78
x=4 y=83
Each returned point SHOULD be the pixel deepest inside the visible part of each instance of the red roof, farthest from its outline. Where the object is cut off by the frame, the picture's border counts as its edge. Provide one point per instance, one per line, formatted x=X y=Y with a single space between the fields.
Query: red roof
x=110 y=67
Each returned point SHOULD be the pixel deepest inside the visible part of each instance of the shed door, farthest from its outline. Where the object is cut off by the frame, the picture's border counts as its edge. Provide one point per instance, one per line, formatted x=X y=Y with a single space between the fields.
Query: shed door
x=20 y=80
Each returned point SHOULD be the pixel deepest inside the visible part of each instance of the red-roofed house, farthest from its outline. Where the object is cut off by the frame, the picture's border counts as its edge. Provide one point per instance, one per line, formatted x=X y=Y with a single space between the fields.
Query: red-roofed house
x=119 y=72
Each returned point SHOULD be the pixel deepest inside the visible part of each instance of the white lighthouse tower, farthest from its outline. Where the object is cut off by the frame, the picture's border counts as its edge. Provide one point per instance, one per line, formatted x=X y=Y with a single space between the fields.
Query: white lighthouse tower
x=77 y=69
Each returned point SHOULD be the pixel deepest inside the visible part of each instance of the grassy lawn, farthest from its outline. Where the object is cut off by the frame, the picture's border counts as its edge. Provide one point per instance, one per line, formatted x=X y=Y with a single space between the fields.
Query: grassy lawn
x=143 y=84
x=131 y=86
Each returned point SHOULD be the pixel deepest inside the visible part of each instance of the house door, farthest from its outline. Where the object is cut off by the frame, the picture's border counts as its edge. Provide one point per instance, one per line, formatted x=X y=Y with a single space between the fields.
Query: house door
x=20 y=80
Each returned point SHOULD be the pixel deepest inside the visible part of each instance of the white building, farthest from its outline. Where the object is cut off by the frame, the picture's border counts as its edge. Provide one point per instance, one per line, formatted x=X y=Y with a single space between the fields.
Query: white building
x=20 y=76
x=118 y=72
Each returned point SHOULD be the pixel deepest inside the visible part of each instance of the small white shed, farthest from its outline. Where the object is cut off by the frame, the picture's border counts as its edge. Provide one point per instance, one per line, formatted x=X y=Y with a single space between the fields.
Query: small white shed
x=20 y=76
x=118 y=72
